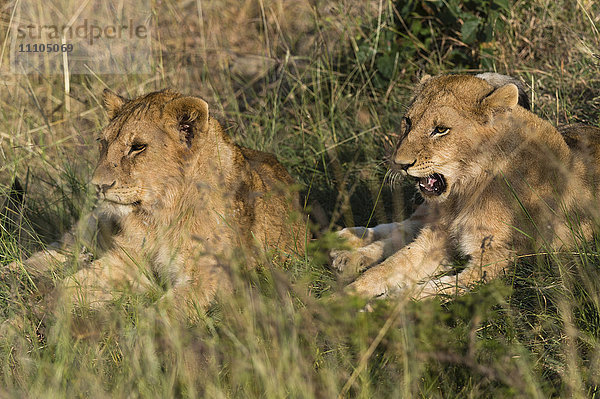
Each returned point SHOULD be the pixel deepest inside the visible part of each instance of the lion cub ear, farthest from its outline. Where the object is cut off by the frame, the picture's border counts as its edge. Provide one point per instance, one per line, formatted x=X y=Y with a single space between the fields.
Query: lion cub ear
x=191 y=114
x=504 y=98
x=112 y=102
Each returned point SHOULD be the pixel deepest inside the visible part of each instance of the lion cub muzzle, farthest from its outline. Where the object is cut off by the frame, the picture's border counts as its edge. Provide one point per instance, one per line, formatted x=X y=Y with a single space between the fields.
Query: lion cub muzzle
x=430 y=185
x=114 y=192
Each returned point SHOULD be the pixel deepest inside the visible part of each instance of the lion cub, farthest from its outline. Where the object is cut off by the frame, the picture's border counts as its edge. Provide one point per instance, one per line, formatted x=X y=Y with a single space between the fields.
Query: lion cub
x=177 y=197
x=500 y=180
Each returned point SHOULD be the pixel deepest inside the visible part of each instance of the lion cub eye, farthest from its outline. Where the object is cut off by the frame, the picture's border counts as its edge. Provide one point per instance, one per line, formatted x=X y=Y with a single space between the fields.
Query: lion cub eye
x=137 y=148
x=440 y=130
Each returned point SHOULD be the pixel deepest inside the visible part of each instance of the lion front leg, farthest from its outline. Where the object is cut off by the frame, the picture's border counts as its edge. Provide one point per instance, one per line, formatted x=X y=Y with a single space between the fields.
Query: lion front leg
x=41 y=262
x=359 y=236
x=355 y=261
x=489 y=265
x=104 y=280
x=199 y=281
x=405 y=268
x=92 y=232
x=372 y=245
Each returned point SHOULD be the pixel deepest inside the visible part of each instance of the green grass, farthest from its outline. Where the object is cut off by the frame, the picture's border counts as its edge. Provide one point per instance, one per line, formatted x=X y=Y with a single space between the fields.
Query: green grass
x=321 y=109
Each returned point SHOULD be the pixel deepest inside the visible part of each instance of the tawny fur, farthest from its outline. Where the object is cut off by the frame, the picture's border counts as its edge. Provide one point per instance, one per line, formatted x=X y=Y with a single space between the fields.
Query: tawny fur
x=514 y=185
x=181 y=197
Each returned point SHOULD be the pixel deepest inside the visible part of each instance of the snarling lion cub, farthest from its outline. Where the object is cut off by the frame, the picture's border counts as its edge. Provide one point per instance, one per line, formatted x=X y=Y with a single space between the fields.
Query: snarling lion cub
x=500 y=180
x=181 y=196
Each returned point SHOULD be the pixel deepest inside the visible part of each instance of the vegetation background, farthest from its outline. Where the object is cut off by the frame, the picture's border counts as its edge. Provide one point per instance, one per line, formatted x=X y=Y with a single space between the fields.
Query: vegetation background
x=323 y=85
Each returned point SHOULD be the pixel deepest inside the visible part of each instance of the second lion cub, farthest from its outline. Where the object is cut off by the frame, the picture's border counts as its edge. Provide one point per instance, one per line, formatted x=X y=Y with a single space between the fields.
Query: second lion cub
x=502 y=182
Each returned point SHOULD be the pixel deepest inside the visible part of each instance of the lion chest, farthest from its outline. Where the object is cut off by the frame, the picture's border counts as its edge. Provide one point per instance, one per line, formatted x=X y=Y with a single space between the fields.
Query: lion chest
x=480 y=225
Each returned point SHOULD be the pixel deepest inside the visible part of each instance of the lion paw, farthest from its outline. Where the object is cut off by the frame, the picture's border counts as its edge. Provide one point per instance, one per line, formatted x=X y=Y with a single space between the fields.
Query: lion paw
x=351 y=262
x=355 y=237
x=365 y=289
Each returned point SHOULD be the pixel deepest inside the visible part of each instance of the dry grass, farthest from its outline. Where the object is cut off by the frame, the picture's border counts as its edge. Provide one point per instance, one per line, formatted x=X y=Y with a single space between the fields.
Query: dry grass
x=285 y=77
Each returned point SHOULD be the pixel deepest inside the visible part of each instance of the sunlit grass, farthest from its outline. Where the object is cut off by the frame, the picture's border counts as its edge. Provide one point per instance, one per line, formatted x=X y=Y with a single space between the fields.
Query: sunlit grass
x=532 y=334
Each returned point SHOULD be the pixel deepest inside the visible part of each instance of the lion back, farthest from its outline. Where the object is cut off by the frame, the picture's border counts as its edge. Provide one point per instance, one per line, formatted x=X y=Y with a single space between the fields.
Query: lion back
x=584 y=142
x=277 y=215
x=266 y=164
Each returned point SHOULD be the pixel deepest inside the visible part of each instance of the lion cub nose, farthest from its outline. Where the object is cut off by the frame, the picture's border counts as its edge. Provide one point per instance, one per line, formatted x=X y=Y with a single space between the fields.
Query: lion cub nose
x=103 y=188
x=404 y=164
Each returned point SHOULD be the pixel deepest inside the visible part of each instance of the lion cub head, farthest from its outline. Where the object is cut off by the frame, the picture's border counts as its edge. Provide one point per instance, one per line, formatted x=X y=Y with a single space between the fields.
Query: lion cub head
x=447 y=130
x=147 y=147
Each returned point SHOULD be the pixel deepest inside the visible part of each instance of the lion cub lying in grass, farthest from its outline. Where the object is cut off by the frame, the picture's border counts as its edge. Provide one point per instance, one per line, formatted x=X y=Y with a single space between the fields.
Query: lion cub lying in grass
x=181 y=197
x=497 y=181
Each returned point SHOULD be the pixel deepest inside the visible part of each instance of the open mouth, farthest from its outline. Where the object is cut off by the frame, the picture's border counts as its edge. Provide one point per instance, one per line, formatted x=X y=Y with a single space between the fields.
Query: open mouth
x=434 y=184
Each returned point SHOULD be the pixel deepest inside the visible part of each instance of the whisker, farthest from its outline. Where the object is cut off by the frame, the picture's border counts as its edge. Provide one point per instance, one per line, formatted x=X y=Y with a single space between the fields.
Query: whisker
x=392 y=178
x=387 y=175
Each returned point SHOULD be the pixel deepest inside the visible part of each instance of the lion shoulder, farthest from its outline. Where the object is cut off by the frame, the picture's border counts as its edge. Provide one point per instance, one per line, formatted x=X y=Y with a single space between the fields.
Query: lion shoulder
x=266 y=165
